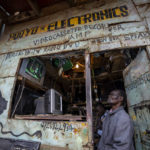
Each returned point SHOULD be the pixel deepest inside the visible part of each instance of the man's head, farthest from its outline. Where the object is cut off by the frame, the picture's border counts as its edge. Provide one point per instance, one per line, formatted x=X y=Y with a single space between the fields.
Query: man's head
x=117 y=97
x=100 y=109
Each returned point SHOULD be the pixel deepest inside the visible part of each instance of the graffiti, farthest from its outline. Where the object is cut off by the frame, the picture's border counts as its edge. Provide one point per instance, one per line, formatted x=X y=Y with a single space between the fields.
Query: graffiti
x=145 y=78
x=106 y=14
x=57 y=126
x=3 y=104
x=38 y=133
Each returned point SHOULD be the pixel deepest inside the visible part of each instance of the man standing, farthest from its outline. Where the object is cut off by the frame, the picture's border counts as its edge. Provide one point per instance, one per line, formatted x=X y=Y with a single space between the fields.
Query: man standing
x=117 y=127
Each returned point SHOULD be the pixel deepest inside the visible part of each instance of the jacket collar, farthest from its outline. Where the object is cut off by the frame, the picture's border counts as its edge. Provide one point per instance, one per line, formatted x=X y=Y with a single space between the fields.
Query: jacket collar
x=116 y=110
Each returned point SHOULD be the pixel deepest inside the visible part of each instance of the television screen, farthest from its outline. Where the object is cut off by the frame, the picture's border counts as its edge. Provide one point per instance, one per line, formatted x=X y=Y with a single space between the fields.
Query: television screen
x=33 y=69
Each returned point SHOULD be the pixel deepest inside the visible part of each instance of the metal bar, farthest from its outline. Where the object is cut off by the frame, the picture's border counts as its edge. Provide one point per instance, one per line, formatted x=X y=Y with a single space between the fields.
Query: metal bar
x=89 y=97
x=2 y=29
x=3 y=14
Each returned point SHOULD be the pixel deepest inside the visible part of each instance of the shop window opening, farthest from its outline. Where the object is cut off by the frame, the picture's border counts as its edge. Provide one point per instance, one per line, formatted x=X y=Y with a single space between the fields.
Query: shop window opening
x=51 y=87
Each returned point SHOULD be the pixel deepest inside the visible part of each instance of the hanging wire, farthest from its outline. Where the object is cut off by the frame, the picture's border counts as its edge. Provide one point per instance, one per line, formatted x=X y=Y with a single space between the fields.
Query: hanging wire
x=23 y=82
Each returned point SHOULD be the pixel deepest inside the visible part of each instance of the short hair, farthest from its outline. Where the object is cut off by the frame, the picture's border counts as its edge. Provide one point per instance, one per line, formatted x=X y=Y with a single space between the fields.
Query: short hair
x=101 y=105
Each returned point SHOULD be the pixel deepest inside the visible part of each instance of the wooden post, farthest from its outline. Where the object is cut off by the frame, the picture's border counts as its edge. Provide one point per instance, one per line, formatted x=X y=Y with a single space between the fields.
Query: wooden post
x=89 y=97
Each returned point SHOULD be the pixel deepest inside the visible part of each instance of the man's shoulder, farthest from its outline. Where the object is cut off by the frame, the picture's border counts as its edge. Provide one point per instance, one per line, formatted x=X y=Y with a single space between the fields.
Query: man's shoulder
x=122 y=114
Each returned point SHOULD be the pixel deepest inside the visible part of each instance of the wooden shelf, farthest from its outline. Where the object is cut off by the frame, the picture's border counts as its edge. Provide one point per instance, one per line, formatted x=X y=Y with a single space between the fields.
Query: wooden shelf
x=33 y=85
x=51 y=117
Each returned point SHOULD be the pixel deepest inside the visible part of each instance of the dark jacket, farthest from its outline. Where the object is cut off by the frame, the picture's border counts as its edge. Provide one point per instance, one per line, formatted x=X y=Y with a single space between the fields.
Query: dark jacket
x=117 y=131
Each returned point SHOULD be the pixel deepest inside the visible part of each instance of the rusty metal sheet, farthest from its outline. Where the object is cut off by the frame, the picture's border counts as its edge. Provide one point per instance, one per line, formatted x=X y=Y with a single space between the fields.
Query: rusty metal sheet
x=138 y=67
x=137 y=84
x=76 y=33
x=136 y=79
x=140 y=2
x=137 y=134
x=141 y=117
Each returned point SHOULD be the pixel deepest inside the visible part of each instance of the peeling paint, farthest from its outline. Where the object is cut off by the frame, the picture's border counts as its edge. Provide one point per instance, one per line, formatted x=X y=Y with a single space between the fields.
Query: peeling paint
x=92 y=37
x=80 y=32
x=137 y=85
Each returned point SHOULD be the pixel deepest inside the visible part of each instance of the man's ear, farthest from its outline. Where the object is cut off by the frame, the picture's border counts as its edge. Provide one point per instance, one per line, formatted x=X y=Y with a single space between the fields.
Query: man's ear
x=121 y=99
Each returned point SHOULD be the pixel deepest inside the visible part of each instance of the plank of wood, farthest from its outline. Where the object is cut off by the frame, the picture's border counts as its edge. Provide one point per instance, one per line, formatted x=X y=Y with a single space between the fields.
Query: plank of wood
x=29 y=83
x=49 y=117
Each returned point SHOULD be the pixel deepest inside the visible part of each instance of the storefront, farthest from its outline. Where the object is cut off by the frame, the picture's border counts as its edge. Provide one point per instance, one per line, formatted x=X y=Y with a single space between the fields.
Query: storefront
x=55 y=70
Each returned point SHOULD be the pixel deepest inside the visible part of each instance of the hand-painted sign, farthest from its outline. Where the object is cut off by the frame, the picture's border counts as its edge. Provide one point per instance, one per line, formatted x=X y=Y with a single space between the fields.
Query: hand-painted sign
x=106 y=14
x=58 y=126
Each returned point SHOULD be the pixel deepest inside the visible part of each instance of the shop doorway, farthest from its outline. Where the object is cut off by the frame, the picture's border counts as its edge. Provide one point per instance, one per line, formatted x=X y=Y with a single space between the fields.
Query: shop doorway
x=125 y=69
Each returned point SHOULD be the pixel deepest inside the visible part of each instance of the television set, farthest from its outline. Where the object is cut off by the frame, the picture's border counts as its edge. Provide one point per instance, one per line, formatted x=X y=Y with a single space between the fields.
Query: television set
x=33 y=69
x=53 y=101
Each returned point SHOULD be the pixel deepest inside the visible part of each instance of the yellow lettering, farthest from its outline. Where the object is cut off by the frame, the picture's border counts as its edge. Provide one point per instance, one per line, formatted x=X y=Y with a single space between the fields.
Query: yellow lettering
x=51 y=27
x=116 y=12
x=70 y=22
x=59 y=25
x=11 y=37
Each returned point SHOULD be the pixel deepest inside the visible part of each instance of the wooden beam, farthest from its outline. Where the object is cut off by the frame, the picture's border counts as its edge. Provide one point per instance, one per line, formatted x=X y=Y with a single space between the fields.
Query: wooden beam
x=23 y=16
x=35 y=7
x=30 y=14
